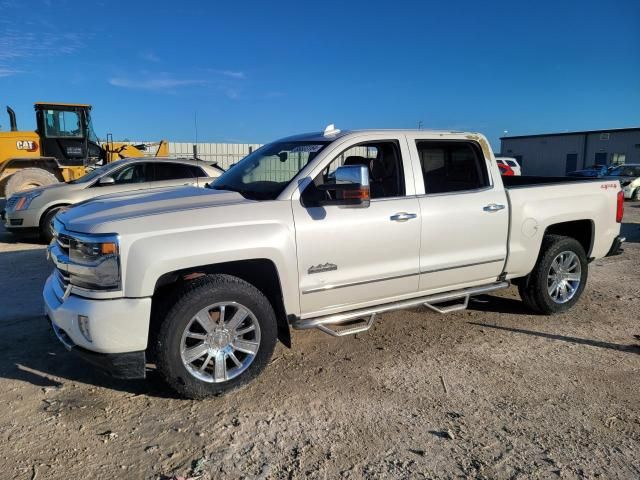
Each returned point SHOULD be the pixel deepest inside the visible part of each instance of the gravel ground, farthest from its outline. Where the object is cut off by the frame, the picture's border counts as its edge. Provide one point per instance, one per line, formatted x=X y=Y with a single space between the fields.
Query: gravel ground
x=492 y=392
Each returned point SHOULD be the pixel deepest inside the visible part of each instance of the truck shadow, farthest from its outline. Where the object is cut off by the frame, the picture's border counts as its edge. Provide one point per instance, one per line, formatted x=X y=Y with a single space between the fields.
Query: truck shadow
x=30 y=351
x=632 y=348
x=495 y=304
x=47 y=364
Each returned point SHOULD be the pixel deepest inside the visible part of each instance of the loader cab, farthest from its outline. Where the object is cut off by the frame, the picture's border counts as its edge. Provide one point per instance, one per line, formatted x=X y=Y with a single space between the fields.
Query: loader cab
x=66 y=133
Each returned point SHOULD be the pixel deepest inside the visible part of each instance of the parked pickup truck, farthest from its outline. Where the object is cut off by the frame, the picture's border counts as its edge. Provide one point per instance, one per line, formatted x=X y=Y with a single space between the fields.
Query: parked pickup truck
x=323 y=230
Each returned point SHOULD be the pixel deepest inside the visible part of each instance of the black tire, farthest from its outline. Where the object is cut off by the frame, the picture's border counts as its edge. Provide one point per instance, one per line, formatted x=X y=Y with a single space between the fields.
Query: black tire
x=188 y=301
x=28 y=178
x=636 y=195
x=46 y=231
x=533 y=289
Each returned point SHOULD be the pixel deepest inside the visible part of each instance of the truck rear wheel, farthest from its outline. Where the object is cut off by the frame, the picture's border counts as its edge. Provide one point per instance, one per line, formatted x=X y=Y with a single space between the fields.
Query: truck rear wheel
x=558 y=278
x=28 y=178
x=218 y=335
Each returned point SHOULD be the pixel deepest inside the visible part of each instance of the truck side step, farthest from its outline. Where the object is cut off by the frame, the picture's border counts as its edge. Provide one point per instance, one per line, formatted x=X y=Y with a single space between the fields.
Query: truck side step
x=449 y=306
x=348 y=328
x=361 y=320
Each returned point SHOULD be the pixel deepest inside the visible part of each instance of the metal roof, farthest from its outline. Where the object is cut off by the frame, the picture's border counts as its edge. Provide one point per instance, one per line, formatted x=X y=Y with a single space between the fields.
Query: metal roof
x=577 y=132
x=59 y=104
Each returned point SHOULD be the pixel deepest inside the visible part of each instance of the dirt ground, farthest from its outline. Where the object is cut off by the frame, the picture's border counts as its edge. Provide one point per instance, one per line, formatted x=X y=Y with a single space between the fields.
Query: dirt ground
x=493 y=392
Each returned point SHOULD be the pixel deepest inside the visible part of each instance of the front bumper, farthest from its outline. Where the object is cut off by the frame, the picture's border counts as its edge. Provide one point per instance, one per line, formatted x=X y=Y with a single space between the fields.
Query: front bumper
x=616 y=247
x=113 y=335
x=21 y=221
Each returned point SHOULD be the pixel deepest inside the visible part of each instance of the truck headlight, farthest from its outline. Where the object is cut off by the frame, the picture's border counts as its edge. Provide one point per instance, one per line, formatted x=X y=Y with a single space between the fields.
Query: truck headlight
x=94 y=262
x=25 y=199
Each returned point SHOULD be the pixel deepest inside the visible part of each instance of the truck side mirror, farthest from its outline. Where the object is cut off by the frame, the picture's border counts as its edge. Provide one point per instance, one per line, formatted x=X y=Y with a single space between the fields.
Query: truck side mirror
x=106 y=181
x=351 y=187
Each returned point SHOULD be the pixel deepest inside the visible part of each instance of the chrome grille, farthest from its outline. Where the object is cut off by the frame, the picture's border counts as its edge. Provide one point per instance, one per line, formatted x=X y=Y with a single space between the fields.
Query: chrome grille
x=63 y=241
x=63 y=278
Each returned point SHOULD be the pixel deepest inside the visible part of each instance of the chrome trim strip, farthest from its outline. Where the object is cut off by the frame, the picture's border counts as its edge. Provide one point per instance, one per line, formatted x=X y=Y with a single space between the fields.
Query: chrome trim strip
x=340 y=318
x=462 y=266
x=353 y=284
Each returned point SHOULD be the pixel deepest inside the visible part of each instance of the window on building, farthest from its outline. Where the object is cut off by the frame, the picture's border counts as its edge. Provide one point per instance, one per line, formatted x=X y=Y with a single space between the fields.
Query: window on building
x=601 y=158
x=604 y=136
x=618 y=158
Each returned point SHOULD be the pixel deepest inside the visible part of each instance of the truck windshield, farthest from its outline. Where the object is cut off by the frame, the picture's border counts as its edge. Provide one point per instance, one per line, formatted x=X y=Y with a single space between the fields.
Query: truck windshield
x=265 y=173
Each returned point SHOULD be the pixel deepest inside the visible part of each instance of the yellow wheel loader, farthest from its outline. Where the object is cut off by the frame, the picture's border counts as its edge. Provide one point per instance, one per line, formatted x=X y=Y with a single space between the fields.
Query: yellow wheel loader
x=63 y=147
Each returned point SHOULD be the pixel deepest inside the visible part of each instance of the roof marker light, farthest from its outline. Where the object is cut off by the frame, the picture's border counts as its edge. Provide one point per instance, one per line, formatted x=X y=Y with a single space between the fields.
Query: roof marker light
x=331 y=130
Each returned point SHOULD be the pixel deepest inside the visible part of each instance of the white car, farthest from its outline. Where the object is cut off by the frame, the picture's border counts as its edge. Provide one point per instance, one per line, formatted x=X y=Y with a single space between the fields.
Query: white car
x=322 y=230
x=33 y=210
x=629 y=177
x=511 y=162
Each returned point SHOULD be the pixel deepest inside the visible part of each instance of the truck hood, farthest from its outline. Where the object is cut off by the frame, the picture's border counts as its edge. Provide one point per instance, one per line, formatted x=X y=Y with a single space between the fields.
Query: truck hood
x=84 y=217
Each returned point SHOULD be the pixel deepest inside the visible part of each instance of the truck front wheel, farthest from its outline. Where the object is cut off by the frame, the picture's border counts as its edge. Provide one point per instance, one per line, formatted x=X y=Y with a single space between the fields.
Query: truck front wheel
x=218 y=335
x=558 y=278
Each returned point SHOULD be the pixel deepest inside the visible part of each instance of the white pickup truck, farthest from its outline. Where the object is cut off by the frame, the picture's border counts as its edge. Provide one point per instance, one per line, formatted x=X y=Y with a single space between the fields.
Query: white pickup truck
x=321 y=230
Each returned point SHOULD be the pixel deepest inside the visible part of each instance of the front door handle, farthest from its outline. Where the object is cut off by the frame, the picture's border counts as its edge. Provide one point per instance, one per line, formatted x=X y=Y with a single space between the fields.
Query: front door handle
x=493 y=207
x=402 y=217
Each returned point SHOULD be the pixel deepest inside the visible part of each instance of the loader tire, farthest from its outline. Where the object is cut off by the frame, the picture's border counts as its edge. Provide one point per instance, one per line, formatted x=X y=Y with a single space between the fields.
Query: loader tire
x=28 y=178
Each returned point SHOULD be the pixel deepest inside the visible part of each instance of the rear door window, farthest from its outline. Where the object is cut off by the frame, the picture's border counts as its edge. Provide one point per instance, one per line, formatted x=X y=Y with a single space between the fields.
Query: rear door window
x=134 y=173
x=452 y=166
x=172 y=171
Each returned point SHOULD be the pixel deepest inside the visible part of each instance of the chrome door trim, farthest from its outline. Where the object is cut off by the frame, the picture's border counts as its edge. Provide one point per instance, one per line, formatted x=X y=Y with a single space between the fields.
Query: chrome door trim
x=462 y=266
x=353 y=284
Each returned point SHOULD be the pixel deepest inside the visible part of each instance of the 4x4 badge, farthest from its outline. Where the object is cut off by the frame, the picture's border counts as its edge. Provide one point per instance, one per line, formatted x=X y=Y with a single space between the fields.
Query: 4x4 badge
x=326 y=267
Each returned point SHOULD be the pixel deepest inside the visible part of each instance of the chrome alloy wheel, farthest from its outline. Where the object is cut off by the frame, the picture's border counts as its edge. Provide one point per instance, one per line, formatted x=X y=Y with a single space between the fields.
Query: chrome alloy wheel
x=563 y=279
x=220 y=342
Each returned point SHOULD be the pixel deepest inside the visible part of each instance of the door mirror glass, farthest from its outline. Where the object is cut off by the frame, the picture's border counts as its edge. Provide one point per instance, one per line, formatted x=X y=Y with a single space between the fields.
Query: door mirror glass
x=350 y=189
x=106 y=181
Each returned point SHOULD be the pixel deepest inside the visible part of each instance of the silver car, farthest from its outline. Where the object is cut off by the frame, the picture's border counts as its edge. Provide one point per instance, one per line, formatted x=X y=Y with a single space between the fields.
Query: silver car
x=33 y=210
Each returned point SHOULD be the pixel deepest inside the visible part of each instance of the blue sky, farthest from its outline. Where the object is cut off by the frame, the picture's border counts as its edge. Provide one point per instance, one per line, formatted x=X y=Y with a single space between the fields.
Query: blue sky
x=255 y=71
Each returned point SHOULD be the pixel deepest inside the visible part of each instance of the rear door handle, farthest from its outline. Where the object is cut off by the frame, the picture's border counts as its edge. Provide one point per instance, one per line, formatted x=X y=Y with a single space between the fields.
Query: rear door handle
x=493 y=207
x=402 y=217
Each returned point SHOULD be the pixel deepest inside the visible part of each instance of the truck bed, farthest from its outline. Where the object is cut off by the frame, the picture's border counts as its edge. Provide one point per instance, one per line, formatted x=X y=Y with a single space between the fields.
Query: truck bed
x=530 y=181
x=587 y=207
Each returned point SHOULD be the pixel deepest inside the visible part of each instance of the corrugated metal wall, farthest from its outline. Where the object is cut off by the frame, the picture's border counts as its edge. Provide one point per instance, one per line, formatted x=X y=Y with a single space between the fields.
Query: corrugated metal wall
x=225 y=154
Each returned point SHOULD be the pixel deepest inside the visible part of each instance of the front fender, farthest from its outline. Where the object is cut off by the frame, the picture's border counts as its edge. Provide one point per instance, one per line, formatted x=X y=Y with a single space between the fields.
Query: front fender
x=149 y=257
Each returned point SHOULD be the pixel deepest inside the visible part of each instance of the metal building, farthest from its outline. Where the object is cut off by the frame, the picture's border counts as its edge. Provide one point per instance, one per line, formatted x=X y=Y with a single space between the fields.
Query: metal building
x=555 y=154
